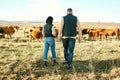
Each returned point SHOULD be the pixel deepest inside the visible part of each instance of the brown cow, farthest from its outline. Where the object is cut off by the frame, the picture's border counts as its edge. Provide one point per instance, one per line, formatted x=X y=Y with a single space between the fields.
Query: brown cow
x=1 y=30
x=111 y=32
x=27 y=30
x=85 y=31
x=1 y=33
x=36 y=34
x=9 y=30
x=95 y=33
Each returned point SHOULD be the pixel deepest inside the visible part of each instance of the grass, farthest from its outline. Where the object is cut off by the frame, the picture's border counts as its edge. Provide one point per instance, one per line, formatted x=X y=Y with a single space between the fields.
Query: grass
x=21 y=59
x=92 y=60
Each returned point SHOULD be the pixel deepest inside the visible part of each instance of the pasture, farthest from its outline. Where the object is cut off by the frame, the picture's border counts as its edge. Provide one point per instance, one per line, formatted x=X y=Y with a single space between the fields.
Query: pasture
x=21 y=59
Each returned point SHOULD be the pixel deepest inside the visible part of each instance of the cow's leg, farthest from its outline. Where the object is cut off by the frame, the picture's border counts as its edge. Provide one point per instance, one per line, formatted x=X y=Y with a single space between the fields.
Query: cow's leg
x=41 y=39
x=10 y=35
x=30 y=37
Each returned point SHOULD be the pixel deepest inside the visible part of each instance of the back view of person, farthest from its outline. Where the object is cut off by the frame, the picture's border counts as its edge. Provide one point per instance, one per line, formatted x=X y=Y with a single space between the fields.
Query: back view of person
x=68 y=31
x=48 y=32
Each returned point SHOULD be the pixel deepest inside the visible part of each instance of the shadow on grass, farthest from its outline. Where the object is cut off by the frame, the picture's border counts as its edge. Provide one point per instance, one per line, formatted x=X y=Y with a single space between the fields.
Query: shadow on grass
x=103 y=66
x=36 y=69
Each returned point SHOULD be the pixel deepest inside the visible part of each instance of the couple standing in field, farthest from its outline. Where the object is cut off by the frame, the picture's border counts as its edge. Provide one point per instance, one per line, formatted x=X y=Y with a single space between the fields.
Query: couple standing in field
x=67 y=33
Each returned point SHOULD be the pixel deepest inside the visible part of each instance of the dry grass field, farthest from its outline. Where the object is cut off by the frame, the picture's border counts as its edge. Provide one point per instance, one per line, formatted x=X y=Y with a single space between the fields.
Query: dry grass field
x=21 y=59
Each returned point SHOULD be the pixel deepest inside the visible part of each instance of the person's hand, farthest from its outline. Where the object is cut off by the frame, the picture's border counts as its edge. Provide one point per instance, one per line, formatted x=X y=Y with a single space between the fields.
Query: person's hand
x=79 y=40
x=59 y=38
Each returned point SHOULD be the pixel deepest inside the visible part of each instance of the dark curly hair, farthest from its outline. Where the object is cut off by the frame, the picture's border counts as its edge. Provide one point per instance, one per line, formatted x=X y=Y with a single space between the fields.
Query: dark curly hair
x=49 y=20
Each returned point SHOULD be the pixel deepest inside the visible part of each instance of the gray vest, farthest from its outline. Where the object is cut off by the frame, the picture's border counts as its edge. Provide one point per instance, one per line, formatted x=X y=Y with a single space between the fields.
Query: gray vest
x=48 y=30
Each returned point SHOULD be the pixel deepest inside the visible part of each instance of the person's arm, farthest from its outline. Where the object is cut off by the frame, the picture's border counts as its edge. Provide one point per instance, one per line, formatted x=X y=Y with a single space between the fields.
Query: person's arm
x=53 y=31
x=43 y=32
x=60 y=29
x=79 y=31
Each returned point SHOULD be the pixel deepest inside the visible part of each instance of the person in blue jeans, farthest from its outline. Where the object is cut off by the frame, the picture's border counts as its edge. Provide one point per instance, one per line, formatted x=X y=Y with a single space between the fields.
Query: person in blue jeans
x=68 y=31
x=49 y=33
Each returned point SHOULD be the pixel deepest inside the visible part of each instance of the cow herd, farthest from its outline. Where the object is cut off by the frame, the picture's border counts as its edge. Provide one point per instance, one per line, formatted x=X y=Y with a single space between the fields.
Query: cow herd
x=36 y=32
x=101 y=33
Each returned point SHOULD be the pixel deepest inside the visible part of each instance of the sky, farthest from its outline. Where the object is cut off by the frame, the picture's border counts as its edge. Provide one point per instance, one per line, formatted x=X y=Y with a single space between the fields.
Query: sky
x=85 y=10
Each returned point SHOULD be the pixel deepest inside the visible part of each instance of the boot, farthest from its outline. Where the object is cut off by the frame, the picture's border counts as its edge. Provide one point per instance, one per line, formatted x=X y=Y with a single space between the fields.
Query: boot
x=45 y=63
x=54 y=62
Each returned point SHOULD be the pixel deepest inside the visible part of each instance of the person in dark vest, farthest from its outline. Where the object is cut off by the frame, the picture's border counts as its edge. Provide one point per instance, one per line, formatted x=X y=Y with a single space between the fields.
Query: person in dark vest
x=49 y=33
x=68 y=31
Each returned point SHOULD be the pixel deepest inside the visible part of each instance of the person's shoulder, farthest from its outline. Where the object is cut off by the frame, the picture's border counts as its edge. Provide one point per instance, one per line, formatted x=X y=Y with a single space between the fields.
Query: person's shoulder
x=53 y=26
x=64 y=16
x=45 y=24
x=75 y=16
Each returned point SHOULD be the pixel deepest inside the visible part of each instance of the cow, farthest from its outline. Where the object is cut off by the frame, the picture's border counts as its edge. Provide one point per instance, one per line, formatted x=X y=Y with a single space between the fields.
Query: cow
x=84 y=31
x=27 y=30
x=1 y=33
x=1 y=30
x=111 y=32
x=95 y=33
x=36 y=34
x=9 y=30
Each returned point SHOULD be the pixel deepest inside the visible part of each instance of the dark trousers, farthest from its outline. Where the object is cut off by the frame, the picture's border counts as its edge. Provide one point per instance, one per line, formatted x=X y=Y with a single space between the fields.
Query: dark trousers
x=68 y=44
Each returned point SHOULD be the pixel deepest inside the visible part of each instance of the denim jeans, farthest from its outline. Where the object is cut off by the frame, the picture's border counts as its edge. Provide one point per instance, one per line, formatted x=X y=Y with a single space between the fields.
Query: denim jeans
x=68 y=44
x=49 y=42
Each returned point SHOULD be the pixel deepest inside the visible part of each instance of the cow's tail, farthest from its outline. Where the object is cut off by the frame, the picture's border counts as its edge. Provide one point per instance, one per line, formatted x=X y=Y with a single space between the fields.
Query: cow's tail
x=118 y=33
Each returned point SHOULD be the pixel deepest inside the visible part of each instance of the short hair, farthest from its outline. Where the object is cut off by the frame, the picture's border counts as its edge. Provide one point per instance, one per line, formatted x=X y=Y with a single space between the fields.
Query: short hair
x=69 y=9
x=49 y=20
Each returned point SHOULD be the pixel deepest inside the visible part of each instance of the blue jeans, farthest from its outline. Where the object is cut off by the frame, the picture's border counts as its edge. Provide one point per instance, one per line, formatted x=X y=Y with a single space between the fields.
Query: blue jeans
x=68 y=44
x=49 y=42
